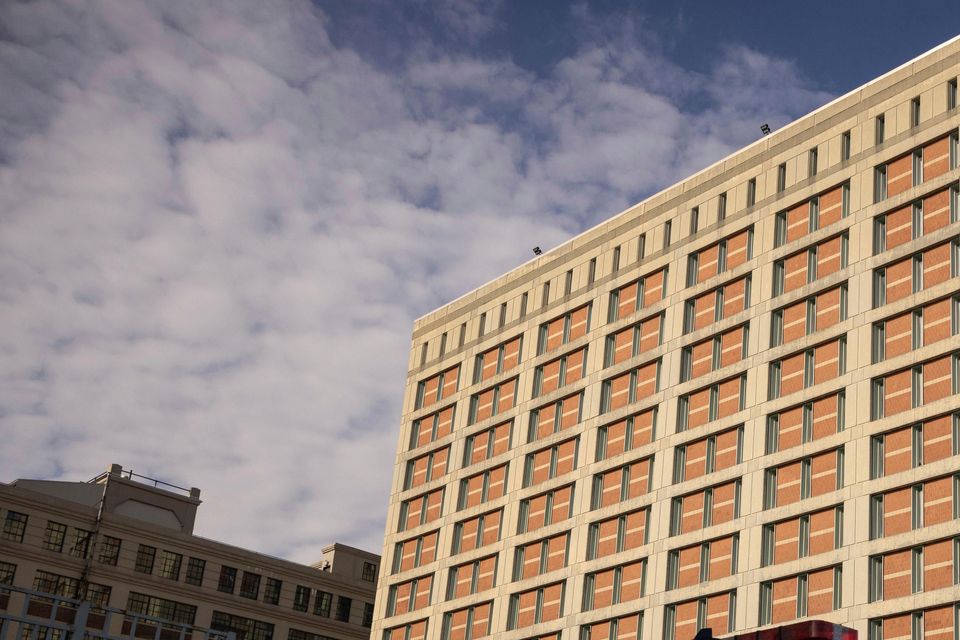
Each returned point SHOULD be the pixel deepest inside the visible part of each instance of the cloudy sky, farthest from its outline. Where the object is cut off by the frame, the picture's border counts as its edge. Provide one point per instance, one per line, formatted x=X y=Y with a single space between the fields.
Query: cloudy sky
x=219 y=219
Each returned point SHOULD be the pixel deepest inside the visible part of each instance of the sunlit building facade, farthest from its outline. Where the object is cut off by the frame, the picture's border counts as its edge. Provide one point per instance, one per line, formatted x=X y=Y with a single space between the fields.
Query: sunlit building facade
x=733 y=405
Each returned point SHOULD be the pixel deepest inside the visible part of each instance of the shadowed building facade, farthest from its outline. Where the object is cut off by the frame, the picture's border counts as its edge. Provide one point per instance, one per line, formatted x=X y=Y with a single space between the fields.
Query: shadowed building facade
x=732 y=405
x=126 y=542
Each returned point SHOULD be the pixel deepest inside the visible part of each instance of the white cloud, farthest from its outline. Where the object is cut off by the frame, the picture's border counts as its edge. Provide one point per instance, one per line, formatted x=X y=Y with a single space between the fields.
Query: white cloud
x=218 y=228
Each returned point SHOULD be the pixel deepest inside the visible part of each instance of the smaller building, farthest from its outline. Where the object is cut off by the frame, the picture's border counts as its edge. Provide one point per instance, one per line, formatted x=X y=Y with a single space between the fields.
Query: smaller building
x=125 y=541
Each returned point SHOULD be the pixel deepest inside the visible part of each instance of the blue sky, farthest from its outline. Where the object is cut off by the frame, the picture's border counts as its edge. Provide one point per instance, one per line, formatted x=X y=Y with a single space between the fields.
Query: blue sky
x=219 y=220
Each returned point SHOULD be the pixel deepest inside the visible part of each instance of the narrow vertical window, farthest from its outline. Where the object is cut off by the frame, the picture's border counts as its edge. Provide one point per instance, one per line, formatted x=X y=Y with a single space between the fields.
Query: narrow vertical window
x=767 y=545
x=878 y=344
x=917 y=161
x=483 y=324
x=879 y=234
x=523 y=305
x=641 y=246
x=952 y=94
x=722 y=206
x=443 y=343
x=876 y=516
x=503 y=308
x=876 y=399
x=694 y=220
x=781 y=176
x=592 y=271
x=780 y=229
x=879 y=287
x=568 y=283
x=773 y=434
x=845 y=146
x=751 y=192
x=778 y=277
x=667 y=229
x=812 y=162
x=875 y=579
x=915 y=112
x=776 y=328
x=880 y=129
x=616 y=259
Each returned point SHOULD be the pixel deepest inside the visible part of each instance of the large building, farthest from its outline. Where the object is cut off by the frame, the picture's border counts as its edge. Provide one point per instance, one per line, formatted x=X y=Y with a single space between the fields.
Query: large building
x=732 y=405
x=125 y=542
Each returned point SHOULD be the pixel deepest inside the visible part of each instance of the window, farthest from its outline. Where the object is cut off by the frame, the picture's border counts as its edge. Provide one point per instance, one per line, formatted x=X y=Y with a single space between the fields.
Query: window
x=7 y=572
x=751 y=192
x=722 y=206
x=228 y=579
x=876 y=516
x=343 y=608
x=694 y=220
x=194 y=575
x=170 y=565
x=915 y=112
x=250 y=585
x=667 y=232
x=367 y=615
x=812 y=162
x=592 y=271
x=301 y=598
x=271 y=591
x=369 y=573
x=167 y=610
x=781 y=176
x=567 y=288
x=54 y=535
x=879 y=129
x=443 y=343
x=423 y=354
x=483 y=325
x=145 y=558
x=503 y=307
x=616 y=259
x=322 y=604
x=641 y=246
x=14 y=526
x=917 y=169
x=880 y=183
x=845 y=146
x=952 y=94
x=81 y=543
x=463 y=334
x=523 y=306
x=245 y=628
x=109 y=550
x=545 y=296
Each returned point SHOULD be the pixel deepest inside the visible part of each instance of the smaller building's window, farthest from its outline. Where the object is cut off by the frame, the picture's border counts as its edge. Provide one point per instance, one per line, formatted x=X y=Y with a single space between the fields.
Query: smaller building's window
x=14 y=526
x=81 y=543
x=301 y=598
x=322 y=604
x=170 y=565
x=271 y=591
x=250 y=585
x=228 y=580
x=367 y=615
x=343 y=608
x=109 y=550
x=145 y=558
x=369 y=573
x=54 y=536
x=195 y=568
x=7 y=572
